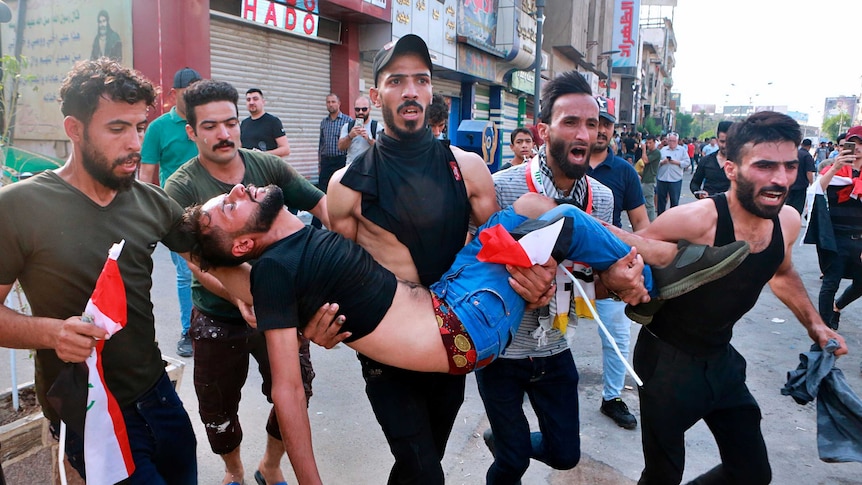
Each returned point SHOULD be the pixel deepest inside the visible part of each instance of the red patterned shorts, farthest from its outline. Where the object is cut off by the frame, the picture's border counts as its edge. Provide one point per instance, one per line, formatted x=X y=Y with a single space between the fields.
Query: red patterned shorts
x=459 y=345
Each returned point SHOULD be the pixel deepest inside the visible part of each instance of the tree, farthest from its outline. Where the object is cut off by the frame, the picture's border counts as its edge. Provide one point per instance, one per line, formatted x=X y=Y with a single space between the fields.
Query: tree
x=834 y=125
x=12 y=76
x=651 y=126
x=683 y=124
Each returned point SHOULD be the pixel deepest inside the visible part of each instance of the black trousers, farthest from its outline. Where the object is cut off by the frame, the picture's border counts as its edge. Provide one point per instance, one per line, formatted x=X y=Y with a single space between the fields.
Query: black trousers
x=416 y=411
x=679 y=390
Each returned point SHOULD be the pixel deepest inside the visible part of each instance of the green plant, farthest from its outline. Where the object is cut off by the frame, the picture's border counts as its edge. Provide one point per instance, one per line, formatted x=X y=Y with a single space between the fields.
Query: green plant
x=834 y=125
x=11 y=78
x=650 y=126
x=684 y=124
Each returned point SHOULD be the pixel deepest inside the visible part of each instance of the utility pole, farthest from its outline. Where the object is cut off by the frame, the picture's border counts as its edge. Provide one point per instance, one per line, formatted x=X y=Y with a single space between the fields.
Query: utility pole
x=537 y=87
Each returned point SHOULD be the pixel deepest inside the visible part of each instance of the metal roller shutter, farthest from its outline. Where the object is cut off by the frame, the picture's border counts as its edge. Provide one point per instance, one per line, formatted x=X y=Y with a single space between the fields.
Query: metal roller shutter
x=292 y=72
x=446 y=87
x=482 y=105
x=510 y=122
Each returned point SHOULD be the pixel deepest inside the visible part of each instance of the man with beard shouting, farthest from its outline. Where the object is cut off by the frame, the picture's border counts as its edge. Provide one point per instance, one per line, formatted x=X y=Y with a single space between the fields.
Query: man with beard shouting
x=222 y=340
x=55 y=232
x=408 y=201
x=689 y=368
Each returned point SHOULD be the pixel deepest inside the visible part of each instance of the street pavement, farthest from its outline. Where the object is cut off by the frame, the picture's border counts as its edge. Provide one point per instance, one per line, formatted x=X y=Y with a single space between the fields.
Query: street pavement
x=351 y=449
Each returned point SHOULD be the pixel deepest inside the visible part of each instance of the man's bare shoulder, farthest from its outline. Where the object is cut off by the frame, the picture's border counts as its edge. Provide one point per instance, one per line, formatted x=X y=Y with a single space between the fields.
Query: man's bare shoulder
x=791 y=223
x=694 y=222
x=468 y=161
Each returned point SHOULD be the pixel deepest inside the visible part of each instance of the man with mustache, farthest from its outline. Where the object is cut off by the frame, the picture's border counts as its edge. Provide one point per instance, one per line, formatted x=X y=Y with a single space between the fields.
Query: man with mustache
x=222 y=340
x=618 y=175
x=55 y=232
x=689 y=368
x=358 y=135
x=408 y=201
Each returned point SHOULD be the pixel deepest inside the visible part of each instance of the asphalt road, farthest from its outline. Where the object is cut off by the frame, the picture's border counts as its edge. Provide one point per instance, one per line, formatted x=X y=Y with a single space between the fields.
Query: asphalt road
x=350 y=448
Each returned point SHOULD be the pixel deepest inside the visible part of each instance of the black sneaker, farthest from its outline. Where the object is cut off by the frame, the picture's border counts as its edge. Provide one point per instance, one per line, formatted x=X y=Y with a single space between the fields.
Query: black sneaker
x=644 y=312
x=696 y=265
x=617 y=410
x=184 y=346
x=488 y=436
x=835 y=320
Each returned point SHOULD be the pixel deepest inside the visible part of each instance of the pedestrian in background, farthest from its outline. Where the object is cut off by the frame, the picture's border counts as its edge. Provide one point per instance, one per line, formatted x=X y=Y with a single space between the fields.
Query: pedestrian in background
x=262 y=131
x=166 y=147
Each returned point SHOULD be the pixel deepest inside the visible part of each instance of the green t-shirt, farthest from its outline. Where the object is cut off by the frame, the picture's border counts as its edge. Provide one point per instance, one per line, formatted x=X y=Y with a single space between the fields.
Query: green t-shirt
x=55 y=240
x=167 y=144
x=651 y=168
x=191 y=184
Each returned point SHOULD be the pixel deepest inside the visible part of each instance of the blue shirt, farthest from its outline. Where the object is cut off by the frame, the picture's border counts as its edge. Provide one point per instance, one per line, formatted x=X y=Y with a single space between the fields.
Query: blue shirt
x=330 y=131
x=619 y=176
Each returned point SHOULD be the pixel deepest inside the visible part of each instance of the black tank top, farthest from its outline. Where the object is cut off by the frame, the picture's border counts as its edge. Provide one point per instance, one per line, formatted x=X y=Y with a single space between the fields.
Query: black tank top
x=414 y=189
x=701 y=322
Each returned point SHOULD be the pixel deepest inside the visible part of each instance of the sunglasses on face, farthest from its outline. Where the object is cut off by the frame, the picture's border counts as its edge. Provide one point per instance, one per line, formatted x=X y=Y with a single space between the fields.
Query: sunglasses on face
x=360 y=109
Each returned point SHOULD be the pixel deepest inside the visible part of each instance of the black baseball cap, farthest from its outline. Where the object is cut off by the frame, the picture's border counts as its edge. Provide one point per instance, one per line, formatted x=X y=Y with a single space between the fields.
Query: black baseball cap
x=185 y=77
x=409 y=44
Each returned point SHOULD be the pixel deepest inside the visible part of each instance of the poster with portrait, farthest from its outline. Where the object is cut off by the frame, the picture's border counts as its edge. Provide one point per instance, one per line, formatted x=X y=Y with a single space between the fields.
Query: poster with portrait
x=54 y=36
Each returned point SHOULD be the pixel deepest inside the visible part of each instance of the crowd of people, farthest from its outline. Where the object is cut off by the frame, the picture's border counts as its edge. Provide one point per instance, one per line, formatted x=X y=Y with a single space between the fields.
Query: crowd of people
x=397 y=204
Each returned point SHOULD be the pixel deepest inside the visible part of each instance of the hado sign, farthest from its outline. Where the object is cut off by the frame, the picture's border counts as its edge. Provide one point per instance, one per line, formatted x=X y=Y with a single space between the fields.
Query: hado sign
x=295 y=16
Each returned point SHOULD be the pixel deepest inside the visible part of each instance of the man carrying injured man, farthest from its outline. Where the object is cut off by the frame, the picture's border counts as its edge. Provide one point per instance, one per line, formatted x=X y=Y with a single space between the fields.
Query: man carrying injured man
x=459 y=324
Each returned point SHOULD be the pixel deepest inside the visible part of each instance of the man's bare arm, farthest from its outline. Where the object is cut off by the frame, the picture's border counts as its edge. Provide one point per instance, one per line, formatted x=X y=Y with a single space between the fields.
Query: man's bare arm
x=288 y=396
x=788 y=287
x=625 y=279
x=321 y=211
x=72 y=339
x=283 y=148
x=341 y=203
x=147 y=173
x=480 y=185
x=638 y=217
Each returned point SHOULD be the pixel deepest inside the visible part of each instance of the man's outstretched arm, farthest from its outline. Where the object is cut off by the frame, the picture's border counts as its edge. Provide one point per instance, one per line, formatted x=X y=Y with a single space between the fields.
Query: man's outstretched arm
x=288 y=396
x=788 y=287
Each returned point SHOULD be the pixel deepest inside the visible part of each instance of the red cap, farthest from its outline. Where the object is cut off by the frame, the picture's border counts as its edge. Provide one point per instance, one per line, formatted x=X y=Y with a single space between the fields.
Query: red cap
x=856 y=132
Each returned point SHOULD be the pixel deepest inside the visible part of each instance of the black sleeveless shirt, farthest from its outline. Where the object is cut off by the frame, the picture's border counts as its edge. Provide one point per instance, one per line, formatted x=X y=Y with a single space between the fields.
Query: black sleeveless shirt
x=701 y=322
x=414 y=189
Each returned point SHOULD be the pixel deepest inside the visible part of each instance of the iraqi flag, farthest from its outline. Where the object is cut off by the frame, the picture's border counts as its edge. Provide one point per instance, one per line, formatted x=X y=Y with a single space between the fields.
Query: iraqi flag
x=532 y=242
x=107 y=455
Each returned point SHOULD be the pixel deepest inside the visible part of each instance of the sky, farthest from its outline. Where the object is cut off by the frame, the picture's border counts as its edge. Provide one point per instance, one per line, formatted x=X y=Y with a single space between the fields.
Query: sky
x=808 y=50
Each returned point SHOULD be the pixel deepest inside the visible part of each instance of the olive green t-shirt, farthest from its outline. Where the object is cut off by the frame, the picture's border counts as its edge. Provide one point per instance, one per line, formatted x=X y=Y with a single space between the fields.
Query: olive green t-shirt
x=55 y=240
x=191 y=184
x=651 y=169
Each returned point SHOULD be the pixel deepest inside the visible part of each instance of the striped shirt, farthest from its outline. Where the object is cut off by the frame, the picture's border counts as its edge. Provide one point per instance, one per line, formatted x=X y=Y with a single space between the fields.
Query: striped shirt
x=330 y=131
x=511 y=184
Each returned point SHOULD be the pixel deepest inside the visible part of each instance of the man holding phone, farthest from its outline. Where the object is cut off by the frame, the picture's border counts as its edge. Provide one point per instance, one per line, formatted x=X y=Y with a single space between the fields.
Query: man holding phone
x=839 y=182
x=804 y=178
x=674 y=161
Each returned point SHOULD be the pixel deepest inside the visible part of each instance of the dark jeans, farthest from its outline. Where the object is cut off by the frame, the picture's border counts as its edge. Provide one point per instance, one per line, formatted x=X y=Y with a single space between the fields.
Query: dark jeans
x=663 y=190
x=416 y=411
x=679 y=390
x=551 y=383
x=796 y=199
x=221 y=357
x=328 y=166
x=845 y=264
x=2 y=477
x=160 y=435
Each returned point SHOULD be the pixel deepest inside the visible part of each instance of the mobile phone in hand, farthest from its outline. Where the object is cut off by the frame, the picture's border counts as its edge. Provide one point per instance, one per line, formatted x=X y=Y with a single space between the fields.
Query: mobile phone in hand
x=850 y=145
